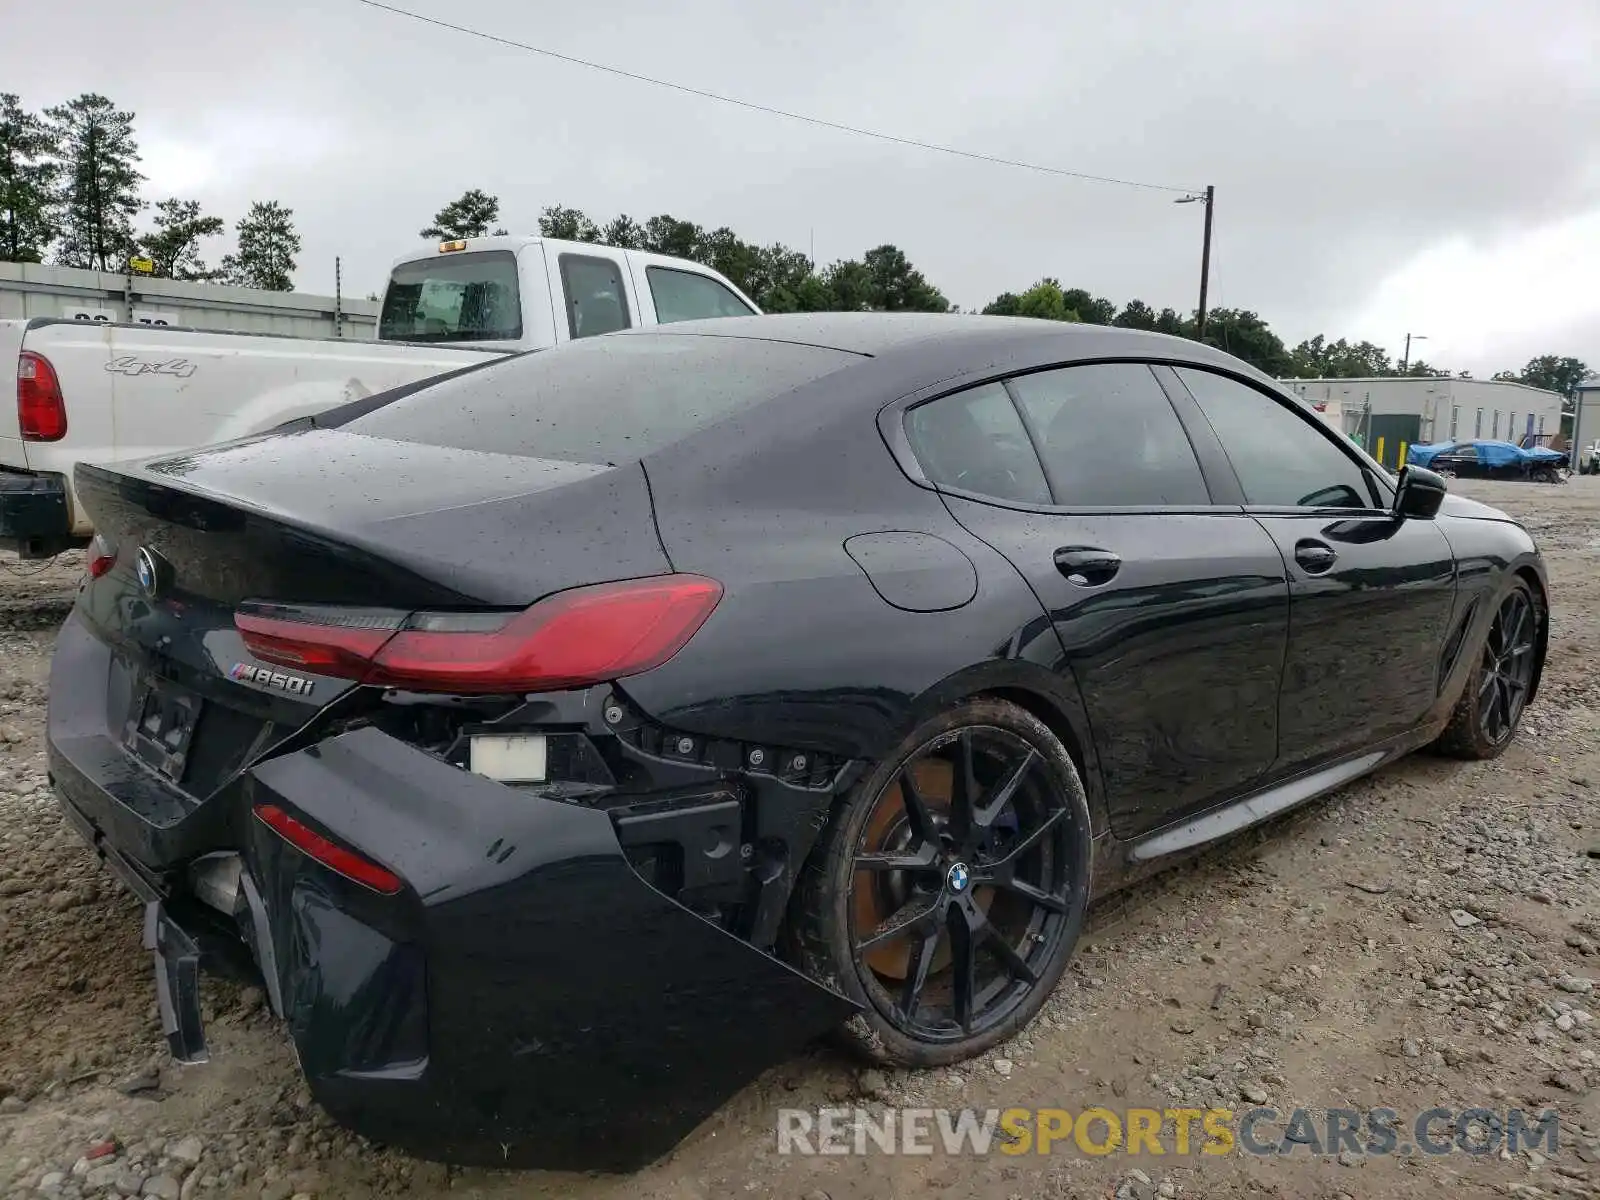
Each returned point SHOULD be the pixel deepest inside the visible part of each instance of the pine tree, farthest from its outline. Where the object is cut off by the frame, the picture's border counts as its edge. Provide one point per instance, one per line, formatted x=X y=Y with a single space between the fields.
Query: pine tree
x=267 y=246
x=468 y=217
x=174 y=245
x=100 y=182
x=28 y=172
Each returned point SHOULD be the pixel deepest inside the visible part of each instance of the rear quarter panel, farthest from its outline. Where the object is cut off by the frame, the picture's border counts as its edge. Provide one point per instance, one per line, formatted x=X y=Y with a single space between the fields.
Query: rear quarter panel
x=803 y=651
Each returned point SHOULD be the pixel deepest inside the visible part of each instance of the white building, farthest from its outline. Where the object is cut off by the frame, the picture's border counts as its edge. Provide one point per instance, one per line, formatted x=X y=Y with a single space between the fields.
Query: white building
x=1413 y=410
x=1586 y=420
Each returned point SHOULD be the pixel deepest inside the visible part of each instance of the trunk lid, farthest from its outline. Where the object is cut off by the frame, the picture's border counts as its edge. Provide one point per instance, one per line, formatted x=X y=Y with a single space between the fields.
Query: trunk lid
x=321 y=517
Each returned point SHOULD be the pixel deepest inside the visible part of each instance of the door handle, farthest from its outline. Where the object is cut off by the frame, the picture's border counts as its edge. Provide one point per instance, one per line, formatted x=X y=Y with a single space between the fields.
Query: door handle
x=1313 y=556
x=1087 y=566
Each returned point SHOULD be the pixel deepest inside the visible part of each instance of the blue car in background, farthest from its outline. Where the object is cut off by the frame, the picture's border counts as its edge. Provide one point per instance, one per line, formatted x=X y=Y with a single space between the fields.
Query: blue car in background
x=1484 y=458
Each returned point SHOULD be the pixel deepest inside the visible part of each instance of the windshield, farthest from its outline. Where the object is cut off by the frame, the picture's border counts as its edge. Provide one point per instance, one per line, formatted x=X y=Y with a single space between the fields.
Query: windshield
x=600 y=400
x=453 y=298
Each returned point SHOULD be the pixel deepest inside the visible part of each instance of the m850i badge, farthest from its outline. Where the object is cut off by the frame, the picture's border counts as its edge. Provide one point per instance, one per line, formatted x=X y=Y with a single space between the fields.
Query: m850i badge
x=295 y=685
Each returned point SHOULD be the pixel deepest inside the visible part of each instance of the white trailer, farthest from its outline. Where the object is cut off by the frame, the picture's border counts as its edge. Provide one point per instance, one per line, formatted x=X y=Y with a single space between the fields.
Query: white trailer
x=29 y=291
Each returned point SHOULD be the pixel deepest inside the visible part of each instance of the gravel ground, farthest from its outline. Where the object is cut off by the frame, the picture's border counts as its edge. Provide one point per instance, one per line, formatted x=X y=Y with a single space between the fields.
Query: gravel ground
x=1427 y=937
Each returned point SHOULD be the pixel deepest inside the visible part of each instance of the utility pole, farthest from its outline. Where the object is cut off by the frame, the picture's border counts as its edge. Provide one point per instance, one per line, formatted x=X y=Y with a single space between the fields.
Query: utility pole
x=338 y=298
x=1208 y=198
x=1406 y=360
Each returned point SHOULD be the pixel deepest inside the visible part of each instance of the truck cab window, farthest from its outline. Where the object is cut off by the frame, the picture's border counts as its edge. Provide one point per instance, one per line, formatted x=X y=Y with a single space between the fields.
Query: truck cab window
x=688 y=296
x=453 y=298
x=596 y=300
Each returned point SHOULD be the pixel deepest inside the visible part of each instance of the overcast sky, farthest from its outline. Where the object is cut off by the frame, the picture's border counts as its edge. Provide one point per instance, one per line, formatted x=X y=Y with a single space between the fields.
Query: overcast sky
x=1380 y=165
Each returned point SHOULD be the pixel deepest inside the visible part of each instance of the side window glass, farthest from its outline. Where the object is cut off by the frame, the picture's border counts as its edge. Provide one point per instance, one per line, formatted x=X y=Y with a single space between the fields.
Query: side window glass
x=975 y=441
x=1280 y=459
x=688 y=296
x=1109 y=436
x=596 y=301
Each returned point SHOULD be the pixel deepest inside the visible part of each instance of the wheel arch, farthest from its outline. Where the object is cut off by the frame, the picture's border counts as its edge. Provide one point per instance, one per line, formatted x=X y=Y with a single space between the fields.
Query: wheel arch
x=1046 y=695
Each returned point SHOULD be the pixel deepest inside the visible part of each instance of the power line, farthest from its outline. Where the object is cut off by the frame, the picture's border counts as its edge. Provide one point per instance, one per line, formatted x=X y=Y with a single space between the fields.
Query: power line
x=767 y=108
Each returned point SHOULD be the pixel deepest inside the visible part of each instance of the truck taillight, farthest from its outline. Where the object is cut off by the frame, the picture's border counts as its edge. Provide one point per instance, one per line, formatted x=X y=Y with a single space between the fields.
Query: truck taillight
x=41 y=408
x=568 y=640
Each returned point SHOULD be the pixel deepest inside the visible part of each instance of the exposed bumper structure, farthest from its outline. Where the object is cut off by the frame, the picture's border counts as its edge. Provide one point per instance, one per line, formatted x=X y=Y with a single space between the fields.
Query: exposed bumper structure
x=34 y=514
x=526 y=1000
x=531 y=1001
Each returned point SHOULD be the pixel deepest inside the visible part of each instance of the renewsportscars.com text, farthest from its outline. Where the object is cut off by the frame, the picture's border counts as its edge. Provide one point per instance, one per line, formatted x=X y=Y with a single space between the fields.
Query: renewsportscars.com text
x=1164 y=1131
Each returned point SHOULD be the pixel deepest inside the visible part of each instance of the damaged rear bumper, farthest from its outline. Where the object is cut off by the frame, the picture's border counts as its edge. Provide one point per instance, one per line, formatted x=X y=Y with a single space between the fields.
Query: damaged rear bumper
x=526 y=1000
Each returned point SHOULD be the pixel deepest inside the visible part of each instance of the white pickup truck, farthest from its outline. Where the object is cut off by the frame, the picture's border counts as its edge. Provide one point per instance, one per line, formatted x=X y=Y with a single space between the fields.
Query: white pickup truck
x=99 y=392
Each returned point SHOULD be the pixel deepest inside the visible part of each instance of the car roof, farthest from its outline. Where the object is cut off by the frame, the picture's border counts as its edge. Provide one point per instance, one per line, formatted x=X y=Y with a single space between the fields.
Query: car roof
x=892 y=335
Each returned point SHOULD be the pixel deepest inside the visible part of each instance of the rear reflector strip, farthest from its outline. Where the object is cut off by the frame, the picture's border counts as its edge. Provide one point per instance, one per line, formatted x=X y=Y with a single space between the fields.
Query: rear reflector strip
x=571 y=639
x=331 y=855
x=101 y=556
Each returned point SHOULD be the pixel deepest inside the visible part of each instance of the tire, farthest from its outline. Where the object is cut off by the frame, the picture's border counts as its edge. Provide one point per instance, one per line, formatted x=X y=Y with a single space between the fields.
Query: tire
x=1486 y=716
x=897 y=921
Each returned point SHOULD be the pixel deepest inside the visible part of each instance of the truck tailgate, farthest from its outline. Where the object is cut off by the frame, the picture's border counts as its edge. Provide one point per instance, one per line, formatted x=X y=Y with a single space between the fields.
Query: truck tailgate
x=13 y=451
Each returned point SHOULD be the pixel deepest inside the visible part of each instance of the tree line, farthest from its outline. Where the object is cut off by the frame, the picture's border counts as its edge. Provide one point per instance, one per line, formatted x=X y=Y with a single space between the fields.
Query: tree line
x=70 y=191
x=781 y=279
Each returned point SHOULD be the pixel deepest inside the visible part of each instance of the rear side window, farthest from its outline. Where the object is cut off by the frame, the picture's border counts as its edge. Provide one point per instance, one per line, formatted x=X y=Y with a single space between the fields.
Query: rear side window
x=1282 y=460
x=453 y=298
x=1109 y=436
x=596 y=300
x=975 y=441
x=690 y=296
x=603 y=401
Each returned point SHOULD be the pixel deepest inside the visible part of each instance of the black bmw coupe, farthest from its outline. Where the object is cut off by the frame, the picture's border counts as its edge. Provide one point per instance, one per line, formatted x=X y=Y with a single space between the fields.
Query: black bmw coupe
x=564 y=741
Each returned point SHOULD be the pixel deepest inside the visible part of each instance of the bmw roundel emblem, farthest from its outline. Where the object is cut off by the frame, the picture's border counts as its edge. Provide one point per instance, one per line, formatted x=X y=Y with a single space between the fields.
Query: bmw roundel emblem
x=145 y=566
x=959 y=877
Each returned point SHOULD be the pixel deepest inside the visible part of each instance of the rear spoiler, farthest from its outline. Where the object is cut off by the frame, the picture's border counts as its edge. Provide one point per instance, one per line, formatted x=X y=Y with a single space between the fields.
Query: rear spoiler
x=351 y=409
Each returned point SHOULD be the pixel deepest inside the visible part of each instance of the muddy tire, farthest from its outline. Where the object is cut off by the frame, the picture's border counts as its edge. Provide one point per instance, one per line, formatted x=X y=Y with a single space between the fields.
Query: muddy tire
x=947 y=892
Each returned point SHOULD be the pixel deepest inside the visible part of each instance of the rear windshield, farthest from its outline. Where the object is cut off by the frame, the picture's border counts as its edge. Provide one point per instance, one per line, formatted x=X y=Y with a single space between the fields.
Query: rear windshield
x=453 y=298
x=605 y=400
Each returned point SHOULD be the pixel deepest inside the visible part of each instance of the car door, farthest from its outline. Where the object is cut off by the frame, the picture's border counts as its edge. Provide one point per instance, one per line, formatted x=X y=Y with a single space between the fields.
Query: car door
x=1171 y=610
x=1370 y=595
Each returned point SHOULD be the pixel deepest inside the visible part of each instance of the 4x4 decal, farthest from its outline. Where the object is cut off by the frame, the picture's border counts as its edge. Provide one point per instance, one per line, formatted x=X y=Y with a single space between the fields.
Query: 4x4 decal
x=129 y=365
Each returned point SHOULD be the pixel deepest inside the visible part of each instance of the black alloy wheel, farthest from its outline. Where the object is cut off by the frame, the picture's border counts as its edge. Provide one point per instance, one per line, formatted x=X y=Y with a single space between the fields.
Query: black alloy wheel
x=952 y=886
x=1506 y=672
x=1501 y=682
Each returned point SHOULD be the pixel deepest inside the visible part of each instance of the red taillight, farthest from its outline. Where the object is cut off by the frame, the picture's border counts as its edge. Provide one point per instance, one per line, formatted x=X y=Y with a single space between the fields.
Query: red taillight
x=101 y=556
x=572 y=639
x=41 y=408
x=330 y=854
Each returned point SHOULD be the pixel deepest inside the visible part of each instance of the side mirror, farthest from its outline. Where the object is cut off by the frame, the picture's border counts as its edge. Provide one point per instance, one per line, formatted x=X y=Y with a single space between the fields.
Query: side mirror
x=1419 y=494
